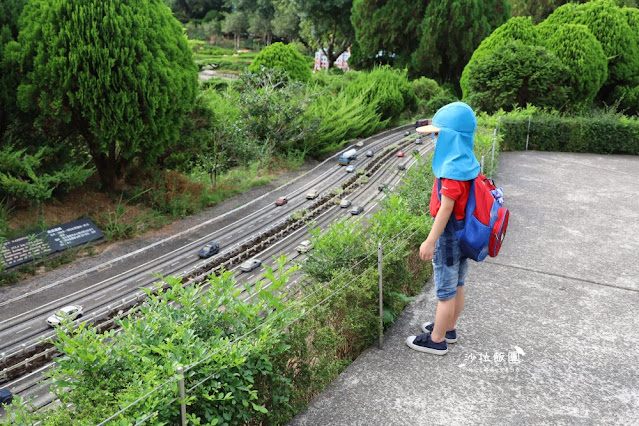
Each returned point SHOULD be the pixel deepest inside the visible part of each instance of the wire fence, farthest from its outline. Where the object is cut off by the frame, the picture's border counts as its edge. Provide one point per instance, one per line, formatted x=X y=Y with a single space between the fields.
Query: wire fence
x=272 y=318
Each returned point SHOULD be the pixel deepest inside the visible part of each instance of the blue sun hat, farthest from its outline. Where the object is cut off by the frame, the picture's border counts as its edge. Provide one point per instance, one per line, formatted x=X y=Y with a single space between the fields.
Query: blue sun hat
x=454 y=157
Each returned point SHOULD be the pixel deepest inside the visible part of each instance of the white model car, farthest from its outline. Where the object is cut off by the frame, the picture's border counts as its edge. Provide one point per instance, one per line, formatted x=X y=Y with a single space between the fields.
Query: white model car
x=70 y=312
x=251 y=264
x=304 y=246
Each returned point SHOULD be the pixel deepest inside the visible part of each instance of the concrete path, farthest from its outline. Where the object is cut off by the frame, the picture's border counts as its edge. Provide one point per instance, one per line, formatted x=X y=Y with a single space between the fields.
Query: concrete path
x=550 y=333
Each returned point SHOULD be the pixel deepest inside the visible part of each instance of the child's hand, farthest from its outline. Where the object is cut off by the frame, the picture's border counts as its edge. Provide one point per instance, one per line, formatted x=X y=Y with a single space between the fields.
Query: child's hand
x=426 y=251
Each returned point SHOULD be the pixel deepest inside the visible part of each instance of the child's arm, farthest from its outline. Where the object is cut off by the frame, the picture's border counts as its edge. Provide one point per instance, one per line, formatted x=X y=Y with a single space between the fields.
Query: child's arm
x=427 y=249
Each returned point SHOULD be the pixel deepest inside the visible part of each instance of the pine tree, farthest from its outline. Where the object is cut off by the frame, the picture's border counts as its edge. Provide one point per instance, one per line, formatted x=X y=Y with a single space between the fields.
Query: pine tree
x=118 y=73
x=451 y=30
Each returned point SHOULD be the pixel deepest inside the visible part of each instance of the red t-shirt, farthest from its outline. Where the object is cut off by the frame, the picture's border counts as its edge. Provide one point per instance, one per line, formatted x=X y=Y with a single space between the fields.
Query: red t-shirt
x=455 y=189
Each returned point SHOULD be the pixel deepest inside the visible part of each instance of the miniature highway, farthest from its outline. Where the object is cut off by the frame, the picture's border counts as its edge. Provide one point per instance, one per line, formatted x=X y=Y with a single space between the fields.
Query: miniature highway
x=22 y=321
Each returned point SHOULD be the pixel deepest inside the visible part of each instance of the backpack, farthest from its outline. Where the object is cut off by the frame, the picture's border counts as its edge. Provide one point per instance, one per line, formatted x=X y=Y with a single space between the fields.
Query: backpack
x=482 y=231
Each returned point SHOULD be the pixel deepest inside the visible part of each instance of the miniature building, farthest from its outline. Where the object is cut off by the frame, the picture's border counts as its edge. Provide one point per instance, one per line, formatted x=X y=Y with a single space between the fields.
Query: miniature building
x=321 y=61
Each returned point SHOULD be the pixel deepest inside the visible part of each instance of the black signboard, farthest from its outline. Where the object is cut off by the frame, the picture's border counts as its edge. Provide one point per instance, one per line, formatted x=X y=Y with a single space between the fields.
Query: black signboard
x=38 y=244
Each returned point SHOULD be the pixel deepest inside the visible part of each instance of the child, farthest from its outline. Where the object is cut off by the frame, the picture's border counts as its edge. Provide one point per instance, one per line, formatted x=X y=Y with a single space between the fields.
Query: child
x=454 y=165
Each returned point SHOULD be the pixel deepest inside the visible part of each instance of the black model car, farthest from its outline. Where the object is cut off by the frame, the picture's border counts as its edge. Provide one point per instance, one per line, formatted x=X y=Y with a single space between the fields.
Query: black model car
x=211 y=248
x=5 y=396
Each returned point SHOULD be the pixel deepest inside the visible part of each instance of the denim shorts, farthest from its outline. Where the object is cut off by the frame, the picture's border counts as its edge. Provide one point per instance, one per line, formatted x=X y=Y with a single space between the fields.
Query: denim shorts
x=450 y=268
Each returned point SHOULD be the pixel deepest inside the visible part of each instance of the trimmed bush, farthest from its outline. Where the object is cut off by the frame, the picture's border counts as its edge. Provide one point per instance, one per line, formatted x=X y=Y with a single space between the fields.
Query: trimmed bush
x=285 y=57
x=603 y=135
x=515 y=75
x=519 y=28
x=584 y=57
x=610 y=26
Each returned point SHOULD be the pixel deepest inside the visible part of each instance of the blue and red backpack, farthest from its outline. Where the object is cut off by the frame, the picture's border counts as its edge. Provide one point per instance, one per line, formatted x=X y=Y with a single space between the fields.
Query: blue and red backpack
x=482 y=231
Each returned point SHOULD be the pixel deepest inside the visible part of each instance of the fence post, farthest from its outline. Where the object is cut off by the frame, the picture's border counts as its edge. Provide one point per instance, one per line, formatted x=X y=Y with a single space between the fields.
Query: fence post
x=381 y=297
x=492 y=162
x=528 y=134
x=482 y=164
x=180 y=371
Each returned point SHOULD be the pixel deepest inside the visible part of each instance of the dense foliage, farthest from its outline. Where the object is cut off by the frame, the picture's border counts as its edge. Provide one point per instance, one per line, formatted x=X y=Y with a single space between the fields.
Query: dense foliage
x=516 y=75
x=284 y=57
x=386 y=87
x=597 y=42
x=388 y=30
x=122 y=86
x=609 y=24
x=584 y=58
x=600 y=133
x=451 y=31
x=515 y=29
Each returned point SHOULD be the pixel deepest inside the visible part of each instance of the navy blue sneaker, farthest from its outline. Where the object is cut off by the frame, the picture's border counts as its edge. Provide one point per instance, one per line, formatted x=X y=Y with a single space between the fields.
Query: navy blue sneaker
x=424 y=343
x=451 y=336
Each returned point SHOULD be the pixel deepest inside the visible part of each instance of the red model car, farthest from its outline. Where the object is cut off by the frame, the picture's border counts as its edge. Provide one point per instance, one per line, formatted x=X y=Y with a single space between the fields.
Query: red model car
x=281 y=201
x=400 y=154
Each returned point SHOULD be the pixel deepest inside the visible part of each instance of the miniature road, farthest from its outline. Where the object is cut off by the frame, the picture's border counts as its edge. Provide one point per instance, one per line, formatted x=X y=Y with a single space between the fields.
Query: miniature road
x=549 y=332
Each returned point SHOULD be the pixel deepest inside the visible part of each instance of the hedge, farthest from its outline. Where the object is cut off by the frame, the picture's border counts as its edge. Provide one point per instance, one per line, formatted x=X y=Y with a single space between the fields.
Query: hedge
x=603 y=135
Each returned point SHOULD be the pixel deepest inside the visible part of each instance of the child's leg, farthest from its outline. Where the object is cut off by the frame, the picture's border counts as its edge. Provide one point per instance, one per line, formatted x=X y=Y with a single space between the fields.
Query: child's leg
x=444 y=319
x=459 y=304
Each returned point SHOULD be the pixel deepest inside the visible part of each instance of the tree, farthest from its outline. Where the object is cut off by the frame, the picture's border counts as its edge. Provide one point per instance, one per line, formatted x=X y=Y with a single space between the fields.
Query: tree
x=387 y=31
x=579 y=50
x=185 y=10
x=516 y=74
x=235 y=23
x=451 y=30
x=328 y=25
x=284 y=57
x=286 y=22
x=272 y=111
x=9 y=79
x=515 y=29
x=118 y=73
x=609 y=25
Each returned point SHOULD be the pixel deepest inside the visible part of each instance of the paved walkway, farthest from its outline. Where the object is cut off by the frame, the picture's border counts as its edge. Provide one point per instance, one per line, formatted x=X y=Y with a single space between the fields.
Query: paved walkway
x=550 y=333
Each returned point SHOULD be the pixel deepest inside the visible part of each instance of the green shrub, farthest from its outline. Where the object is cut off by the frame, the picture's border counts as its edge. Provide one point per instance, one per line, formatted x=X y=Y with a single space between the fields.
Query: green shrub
x=584 y=58
x=438 y=101
x=341 y=118
x=515 y=75
x=609 y=24
x=628 y=98
x=425 y=88
x=518 y=28
x=284 y=57
x=597 y=135
x=388 y=88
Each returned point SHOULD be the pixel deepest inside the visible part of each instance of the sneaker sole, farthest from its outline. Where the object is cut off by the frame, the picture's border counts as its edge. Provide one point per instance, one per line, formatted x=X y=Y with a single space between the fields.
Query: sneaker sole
x=425 y=330
x=409 y=342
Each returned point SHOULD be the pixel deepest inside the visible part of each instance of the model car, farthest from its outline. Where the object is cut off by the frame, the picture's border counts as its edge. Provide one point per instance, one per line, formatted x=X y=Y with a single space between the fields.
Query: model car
x=369 y=153
x=209 y=249
x=250 y=264
x=418 y=141
x=345 y=203
x=359 y=144
x=281 y=201
x=70 y=312
x=304 y=246
x=400 y=154
x=350 y=169
x=356 y=210
x=312 y=194
x=5 y=396
x=401 y=166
